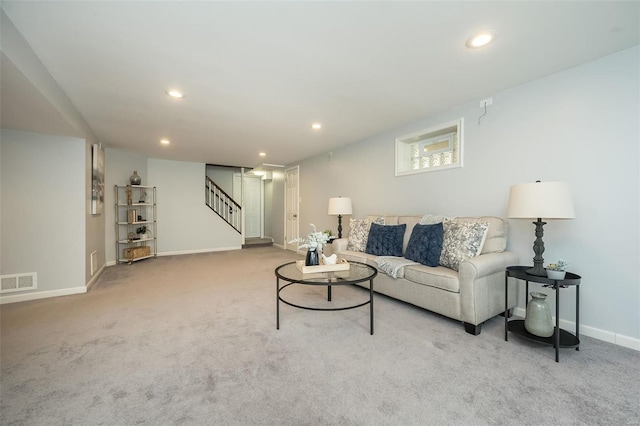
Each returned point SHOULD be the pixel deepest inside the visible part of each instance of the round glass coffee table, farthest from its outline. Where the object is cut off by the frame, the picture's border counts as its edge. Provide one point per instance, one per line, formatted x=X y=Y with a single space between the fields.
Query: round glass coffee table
x=357 y=273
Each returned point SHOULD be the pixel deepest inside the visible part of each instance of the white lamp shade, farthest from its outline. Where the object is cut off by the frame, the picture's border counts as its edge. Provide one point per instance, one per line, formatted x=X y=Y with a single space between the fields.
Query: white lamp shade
x=340 y=206
x=548 y=200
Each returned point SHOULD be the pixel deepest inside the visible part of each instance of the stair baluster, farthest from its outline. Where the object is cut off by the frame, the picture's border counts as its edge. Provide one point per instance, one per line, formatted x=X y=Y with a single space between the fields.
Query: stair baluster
x=224 y=205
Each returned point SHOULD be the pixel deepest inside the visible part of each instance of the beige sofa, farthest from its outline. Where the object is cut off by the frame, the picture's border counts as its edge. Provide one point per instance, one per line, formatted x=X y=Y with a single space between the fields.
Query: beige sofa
x=473 y=294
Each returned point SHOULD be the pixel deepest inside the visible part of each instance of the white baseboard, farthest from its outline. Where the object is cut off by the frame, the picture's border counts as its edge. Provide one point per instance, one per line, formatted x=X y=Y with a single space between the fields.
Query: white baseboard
x=178 y=253
x=41 y=295
x=280 y=246
x=596 y=333
x=95 y=277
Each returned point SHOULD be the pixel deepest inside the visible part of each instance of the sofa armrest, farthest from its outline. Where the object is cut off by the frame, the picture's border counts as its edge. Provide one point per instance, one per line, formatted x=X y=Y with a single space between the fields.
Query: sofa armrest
x=340 y=245
x=482 y=281
x=486 y=264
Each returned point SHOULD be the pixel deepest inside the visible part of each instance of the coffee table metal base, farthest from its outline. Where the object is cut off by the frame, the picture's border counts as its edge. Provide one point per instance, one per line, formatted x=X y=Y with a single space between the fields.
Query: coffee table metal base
x=329 y=283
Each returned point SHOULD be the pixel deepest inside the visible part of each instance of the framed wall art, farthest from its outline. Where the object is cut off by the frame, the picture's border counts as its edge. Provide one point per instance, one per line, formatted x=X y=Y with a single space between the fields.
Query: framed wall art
x=97 y=179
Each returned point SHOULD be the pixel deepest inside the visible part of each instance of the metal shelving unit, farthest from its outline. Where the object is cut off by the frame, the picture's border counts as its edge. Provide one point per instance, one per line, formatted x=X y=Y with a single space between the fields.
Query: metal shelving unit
x=135 y=208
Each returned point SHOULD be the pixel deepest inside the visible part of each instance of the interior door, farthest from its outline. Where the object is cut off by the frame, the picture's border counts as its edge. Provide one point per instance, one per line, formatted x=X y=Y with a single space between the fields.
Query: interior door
x=252 y=207
x=292 y=204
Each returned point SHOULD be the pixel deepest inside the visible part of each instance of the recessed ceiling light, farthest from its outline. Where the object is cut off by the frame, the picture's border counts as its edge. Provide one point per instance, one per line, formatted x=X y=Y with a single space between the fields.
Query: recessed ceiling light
x=175 y=93
x=165 y=141
x=316 y=126
x=480 y=40
x=262 y=154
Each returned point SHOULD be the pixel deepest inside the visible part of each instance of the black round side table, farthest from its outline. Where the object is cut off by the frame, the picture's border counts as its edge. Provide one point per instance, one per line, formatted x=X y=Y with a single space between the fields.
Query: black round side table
x=561 y=338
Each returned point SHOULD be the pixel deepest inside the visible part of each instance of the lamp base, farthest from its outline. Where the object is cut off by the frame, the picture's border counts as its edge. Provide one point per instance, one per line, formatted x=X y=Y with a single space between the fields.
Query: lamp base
x=537 y=272
x=538 y=248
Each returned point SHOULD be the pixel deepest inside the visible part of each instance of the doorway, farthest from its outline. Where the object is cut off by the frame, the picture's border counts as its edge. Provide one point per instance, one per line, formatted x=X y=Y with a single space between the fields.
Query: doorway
x=291 y=207
x=250 y=191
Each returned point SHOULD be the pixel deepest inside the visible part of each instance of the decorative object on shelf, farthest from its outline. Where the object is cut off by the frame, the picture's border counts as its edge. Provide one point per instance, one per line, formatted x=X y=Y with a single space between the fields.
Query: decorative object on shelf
x=132 y=253
x=135 y=178
x=132 y=216
x=128 y=191
x=538 y=320
x=313 y=243
x=143 y=196
x=132 y=236
x=142 y=232
x=548 y=200
x=339 y=206
x=556 y=271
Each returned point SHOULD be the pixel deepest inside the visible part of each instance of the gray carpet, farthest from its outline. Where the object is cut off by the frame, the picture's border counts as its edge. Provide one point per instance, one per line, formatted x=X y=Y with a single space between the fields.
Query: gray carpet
x=192 y=340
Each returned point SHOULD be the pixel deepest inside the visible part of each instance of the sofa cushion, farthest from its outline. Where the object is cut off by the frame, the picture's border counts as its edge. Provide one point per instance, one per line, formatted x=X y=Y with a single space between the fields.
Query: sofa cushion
x=425 y=244
x=385 y=240
x=438 y=277
x=359 y=232
x=462 y=240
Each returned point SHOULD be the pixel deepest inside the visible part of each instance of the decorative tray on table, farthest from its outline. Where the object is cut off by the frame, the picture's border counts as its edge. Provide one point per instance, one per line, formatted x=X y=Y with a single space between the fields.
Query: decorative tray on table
x=341 y=265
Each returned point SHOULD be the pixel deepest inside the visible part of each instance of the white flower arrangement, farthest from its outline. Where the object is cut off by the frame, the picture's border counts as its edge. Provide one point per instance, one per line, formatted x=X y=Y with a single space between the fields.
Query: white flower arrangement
x=314 y=241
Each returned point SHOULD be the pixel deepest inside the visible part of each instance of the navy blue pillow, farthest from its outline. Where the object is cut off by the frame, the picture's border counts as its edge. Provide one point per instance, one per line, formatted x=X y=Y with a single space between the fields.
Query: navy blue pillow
x=385 y=240
x=425 y=244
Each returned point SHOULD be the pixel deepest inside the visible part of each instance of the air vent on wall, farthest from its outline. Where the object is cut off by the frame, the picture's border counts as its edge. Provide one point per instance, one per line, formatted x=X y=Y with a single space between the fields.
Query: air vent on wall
x=18 y=282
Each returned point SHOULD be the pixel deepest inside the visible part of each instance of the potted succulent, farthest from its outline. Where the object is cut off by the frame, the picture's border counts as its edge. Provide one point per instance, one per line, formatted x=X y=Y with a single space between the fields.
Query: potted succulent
x=556 y=271
x=330 y=236
x=142 y=232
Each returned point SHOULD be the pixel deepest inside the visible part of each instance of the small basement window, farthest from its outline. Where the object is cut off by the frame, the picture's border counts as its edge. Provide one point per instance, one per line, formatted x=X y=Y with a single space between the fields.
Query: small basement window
x=437 y=148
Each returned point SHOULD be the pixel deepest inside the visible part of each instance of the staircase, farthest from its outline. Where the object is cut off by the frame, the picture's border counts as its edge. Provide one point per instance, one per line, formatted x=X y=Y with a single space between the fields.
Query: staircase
x=224 y=206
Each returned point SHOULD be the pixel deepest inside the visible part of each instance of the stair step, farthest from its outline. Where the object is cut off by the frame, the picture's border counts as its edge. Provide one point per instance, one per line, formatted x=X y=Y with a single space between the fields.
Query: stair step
x=257 y=242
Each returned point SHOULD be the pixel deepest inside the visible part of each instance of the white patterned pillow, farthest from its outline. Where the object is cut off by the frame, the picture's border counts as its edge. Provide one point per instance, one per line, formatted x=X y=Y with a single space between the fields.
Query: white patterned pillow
x=462 y=240
x=359 y=233
x=432 y=219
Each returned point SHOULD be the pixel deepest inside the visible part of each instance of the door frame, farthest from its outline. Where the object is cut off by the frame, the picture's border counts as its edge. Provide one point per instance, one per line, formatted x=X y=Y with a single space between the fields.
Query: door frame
x=297 y=203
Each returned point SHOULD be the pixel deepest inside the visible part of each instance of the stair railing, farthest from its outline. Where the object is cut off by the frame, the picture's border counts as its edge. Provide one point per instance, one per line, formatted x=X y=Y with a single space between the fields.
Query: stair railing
x=221 y=203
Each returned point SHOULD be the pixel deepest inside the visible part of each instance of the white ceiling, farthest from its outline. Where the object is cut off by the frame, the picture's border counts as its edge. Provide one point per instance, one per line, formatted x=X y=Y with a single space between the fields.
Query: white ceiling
x=257 y=74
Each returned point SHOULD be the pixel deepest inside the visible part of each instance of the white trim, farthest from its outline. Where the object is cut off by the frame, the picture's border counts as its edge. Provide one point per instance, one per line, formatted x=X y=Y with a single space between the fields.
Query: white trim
x=596 y=333
x=280 y=246
x=14 y=298
x=297 y=168
x=95 y=277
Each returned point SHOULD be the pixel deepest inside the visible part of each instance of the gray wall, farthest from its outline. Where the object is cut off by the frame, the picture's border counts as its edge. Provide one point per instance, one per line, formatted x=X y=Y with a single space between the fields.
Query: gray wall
x=16 y=48
x=43 y=210
x=223 y=177
x=579 y=126
x=185 y=223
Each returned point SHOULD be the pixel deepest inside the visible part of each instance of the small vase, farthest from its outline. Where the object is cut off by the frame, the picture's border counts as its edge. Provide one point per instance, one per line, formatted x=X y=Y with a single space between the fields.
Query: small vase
x=538 y=320
x=135 y=178
x=312 y=258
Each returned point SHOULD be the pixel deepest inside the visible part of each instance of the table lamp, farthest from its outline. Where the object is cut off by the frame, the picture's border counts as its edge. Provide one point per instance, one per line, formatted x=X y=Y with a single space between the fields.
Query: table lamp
x=340 y=206
x=540 y=200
